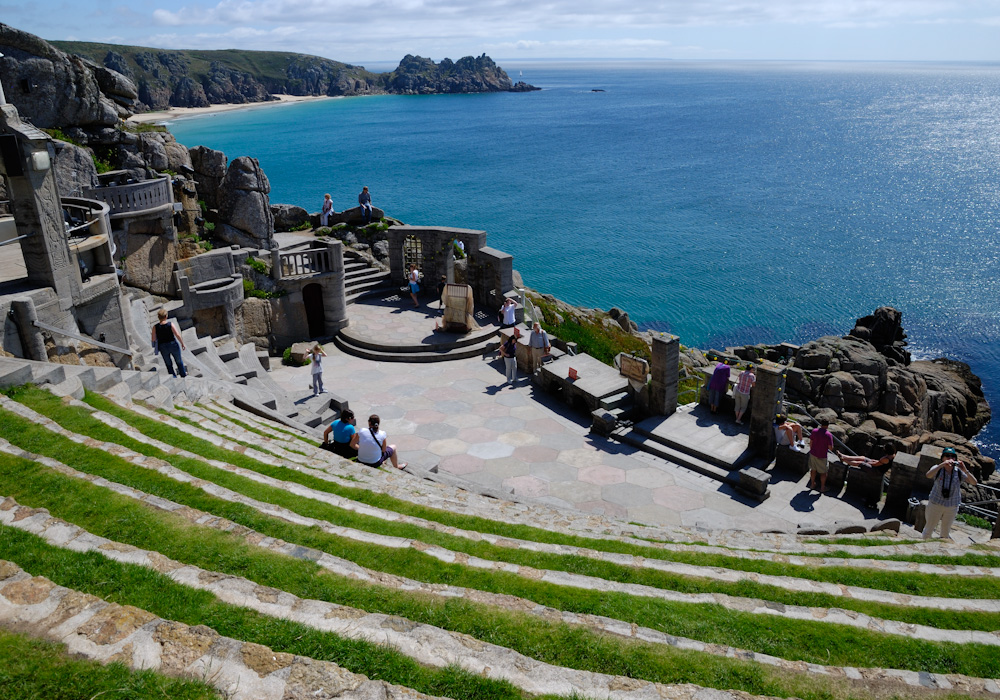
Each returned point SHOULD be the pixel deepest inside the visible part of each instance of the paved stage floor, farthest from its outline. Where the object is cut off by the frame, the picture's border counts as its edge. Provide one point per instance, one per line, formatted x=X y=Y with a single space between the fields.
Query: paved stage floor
x=460 y=416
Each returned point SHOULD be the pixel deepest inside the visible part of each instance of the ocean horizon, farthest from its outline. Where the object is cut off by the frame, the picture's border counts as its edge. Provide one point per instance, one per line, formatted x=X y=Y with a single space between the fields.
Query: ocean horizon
x=725 y=202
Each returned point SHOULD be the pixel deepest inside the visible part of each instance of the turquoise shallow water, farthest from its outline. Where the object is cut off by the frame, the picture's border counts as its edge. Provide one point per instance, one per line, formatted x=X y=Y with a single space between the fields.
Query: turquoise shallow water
x=724 y=202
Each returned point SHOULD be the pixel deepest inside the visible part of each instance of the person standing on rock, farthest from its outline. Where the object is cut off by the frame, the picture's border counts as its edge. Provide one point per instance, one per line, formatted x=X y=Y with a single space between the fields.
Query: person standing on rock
x=946 y=494
x=365 y=201
x=718 y=385
x=324 y=213
x=820 y=443
x=741 y=392
x=316 y=356
x=167 y=339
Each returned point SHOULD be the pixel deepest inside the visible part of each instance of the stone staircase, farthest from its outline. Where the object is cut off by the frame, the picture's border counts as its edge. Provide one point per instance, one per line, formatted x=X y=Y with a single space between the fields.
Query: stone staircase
x=449 y=346
x=232 y=498
x=361 y=279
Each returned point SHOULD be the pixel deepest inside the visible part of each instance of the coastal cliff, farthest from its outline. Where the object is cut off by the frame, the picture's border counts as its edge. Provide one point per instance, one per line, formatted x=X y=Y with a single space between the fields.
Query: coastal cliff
x=200 y=78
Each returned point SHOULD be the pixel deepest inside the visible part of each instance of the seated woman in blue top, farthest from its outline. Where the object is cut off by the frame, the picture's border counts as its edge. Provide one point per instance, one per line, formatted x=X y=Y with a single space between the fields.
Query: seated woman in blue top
x=343 y=430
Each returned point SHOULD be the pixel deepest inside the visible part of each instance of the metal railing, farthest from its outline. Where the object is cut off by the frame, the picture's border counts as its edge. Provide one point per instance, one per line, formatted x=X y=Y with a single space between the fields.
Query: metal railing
x=134 y=197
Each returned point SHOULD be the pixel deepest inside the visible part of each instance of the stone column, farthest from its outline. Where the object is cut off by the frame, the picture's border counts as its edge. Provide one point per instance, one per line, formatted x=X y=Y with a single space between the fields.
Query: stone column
x=33 y=345
x=768 y=397
x=335 y=293
x=664 y=368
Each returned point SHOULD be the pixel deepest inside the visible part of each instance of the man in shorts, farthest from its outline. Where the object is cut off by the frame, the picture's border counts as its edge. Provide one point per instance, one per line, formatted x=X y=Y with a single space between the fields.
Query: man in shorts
x=821 y=442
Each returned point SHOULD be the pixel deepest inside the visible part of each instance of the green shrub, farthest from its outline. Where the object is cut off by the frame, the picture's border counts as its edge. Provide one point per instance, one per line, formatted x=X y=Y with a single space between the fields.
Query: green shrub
x=258 y=265
x=286 y=359
x=975 y=521
x=209 y=227
x=304 y=226
x=203 y=207
x=459 y=253
x=250 y=290
x=60 y=136
x=324 y=231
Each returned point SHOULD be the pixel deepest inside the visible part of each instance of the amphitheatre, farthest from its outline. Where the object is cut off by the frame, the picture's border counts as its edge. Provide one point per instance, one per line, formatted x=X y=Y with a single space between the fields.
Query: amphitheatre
x=592 y=536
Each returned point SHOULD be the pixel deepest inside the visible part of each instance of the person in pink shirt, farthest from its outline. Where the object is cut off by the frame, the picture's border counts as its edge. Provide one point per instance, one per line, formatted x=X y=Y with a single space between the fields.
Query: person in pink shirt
x=741 y=392
x=821 y=442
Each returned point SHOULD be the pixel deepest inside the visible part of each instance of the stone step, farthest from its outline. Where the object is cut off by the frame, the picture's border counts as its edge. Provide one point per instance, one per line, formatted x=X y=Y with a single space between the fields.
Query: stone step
x=228 y=351
x=653 y=447
x=367 y=274
x=483 y=349
x=368 y=288
x=442 y=341
x=622 y=401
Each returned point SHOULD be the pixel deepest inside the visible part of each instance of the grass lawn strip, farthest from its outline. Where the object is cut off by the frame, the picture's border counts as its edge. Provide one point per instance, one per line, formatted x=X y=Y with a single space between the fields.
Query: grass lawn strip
x=890 y=614
x=641 y=547
x=234 y=593
x=675 y=613
x=593 y=622
x=435 y=647
x=105 y=631
x=195 y=417
x=36 y=668
x=985 y=590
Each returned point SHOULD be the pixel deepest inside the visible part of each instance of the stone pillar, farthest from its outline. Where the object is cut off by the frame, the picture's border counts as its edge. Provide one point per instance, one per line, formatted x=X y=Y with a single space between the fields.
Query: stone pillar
x=901 y=480
x=335 y=293
x=26 y=158
x=768 y=398
x=665 y=367
x=32 y=342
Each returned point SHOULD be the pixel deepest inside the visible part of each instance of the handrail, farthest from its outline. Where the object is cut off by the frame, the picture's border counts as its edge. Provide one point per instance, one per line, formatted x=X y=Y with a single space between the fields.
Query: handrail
x=76 y=336
x=700 y=380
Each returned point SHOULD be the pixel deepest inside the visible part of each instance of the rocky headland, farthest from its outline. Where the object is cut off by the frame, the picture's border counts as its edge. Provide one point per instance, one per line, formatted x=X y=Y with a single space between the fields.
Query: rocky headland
x=864 y=381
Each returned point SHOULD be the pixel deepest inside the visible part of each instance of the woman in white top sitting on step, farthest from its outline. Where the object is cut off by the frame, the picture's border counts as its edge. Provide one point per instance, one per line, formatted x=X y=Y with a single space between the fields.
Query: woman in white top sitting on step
x=371 y=447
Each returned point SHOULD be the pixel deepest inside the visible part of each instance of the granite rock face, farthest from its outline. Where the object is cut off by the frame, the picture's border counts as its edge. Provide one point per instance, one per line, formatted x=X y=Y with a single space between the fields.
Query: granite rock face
x=866 y=383
x=244 y=205
x=74 y=168
x=209 y=168
x=288 y=216
x=55 y=89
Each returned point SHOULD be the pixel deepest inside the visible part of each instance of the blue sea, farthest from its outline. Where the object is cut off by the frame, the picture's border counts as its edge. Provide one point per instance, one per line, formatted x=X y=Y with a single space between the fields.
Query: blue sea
x=727 y=203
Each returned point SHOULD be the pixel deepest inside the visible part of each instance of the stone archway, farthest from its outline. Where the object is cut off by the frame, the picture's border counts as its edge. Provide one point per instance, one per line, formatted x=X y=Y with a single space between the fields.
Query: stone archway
x=312 y=300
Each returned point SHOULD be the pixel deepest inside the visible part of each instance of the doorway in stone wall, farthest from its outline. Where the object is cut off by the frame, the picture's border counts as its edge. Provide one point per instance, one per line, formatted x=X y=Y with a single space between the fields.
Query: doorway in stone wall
x=413 y=254
x=312 y=300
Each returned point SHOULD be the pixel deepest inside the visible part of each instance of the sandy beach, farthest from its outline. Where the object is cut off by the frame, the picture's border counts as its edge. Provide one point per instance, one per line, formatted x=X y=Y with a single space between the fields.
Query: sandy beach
x=173 y=113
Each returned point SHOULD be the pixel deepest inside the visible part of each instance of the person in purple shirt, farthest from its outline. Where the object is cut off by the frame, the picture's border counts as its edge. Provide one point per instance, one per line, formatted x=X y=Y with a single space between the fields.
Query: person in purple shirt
x=718 y=385
x=820 y=442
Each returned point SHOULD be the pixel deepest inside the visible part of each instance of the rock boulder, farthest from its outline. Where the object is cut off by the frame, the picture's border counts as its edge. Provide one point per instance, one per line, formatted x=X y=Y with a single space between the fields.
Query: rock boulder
x=244 y=206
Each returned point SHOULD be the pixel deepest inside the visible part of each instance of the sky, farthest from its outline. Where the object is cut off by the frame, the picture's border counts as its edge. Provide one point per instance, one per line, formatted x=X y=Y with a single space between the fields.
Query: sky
x=367 y=31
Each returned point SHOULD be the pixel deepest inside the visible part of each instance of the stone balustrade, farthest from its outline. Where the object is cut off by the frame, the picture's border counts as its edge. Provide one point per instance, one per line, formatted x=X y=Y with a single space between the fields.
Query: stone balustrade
x=132 y=198
x=299 y=263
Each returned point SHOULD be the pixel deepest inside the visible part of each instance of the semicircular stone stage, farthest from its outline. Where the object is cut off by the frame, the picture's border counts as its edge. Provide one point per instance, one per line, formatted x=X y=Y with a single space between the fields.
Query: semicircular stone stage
x=388 y=328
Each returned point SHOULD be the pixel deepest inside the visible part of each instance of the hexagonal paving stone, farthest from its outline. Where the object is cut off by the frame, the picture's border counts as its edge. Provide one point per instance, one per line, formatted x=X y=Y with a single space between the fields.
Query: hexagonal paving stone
x=506 y=467
x=512 y=399
x=553 y=471
x=421 y=416
x=460 y=465
x=491 y=410
x=448 y=446
x=407 y=443
x=678 y=498
x=574 y=491
x=560 y=441
x=536 y=453
x=531 y=412
x=627 y=495
x=653 y=515
x=474 y=435
x=436 y=431
x=582 y=457
x=544 y=426
x=649 y=477
x=602 y=475
x=519 y=438
x=452 y=407
x=466 y=420
x=491 y=450
x=504 y=424
x=407 y=390
x=527 y=486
